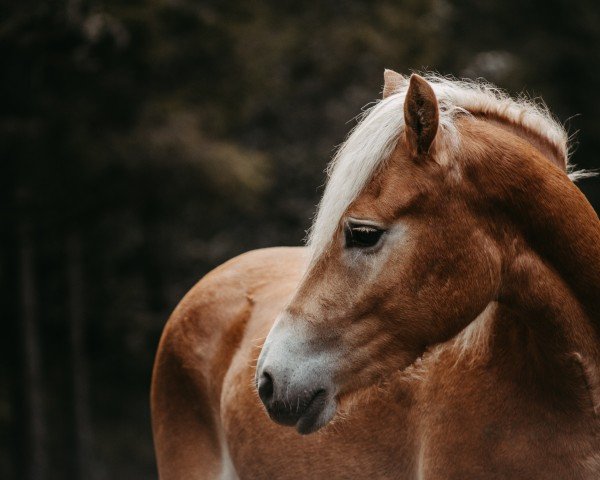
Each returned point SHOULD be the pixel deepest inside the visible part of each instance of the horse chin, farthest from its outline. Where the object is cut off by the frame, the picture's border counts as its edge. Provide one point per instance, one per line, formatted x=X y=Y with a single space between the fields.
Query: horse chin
x=323 y=408
x=318 y=414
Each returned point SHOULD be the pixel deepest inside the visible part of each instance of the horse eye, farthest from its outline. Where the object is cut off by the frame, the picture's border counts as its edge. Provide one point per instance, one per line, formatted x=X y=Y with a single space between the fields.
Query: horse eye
x=362 y=236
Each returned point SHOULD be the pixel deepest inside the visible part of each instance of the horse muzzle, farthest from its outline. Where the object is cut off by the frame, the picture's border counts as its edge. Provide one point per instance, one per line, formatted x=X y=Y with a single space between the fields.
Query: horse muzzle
x=292 y=382
x=304 y=410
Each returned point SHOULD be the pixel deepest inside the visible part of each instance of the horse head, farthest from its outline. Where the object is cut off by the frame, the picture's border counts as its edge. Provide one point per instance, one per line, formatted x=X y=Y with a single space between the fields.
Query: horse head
x=410 y=244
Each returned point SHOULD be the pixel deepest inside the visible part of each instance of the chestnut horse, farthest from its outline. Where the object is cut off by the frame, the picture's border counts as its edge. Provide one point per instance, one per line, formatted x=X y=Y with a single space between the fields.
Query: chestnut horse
x=442 y=323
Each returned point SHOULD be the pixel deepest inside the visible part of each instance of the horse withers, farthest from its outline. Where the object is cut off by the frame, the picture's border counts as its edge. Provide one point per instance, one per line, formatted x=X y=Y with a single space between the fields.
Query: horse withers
x=442 y=323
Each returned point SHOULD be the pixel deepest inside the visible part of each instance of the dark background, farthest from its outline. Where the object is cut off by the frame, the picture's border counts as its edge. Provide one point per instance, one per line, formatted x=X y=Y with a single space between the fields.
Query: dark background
x=143 y=143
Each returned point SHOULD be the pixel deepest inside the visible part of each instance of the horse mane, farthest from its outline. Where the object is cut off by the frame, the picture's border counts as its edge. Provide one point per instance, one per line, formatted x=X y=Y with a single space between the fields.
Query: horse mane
x=372 y=141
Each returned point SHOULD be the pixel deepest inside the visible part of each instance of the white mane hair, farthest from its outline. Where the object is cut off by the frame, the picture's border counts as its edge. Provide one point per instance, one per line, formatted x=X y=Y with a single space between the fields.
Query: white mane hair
x=374 y=138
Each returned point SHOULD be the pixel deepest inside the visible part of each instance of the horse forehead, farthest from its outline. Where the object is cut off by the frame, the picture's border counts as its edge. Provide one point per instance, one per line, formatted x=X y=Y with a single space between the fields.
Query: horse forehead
x=399 y=180
x=382 y=195
x=396 y=186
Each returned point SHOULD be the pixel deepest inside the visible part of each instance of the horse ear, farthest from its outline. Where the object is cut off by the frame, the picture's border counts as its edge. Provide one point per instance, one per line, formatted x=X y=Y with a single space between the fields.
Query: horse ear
x=421 y=115
x=392 y=82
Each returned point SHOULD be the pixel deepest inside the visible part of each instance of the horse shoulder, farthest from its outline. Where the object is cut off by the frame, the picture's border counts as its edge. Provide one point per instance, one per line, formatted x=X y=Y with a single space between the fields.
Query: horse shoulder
x=195 y=352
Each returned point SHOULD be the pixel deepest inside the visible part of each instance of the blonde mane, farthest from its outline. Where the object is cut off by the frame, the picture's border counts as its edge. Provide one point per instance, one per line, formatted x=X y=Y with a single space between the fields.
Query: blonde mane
x=374 y=138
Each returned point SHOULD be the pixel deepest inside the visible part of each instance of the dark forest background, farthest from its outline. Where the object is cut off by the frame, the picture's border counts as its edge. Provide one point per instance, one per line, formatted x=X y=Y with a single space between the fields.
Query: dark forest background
x=144 y=142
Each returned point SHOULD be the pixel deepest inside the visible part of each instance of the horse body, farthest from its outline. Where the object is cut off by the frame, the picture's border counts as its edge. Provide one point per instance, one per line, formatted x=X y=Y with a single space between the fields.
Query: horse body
x=449 y=326
x=426 y=422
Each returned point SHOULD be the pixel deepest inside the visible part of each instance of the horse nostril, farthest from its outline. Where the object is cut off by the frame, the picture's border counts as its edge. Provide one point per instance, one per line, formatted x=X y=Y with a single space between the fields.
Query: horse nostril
x=265 y=388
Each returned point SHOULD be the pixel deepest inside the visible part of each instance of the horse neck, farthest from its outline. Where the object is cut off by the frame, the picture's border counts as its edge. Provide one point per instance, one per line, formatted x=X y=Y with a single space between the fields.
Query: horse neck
x=516 y=185
x=550 y=235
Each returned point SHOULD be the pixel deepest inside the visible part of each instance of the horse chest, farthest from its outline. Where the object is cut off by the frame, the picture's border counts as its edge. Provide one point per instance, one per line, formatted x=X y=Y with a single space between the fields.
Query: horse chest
x=472 y=424
x=374 y=442
x=452 y=429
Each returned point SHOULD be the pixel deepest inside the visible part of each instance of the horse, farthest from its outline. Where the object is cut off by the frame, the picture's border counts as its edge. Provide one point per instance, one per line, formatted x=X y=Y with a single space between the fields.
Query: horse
x=441 y=323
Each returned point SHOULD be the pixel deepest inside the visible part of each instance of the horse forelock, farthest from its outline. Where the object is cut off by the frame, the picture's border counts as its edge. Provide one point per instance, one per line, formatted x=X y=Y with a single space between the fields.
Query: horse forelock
x=375 y=137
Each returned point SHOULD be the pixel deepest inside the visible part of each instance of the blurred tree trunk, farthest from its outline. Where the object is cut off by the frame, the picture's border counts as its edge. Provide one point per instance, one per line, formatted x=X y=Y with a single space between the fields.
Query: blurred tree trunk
x=10 y=344
x=82 y=428
x=33 y=392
